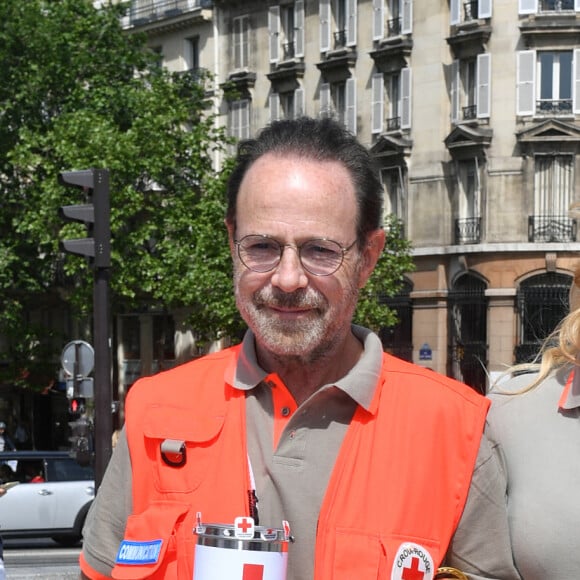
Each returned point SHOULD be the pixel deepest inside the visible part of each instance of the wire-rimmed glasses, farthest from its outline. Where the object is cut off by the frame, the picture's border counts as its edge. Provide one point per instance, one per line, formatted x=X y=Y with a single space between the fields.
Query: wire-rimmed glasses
x=320 y=257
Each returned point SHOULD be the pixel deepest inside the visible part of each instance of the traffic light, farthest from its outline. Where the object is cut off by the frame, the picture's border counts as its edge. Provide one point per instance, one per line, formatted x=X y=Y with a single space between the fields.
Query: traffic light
x=77 y=406
x=96 y=215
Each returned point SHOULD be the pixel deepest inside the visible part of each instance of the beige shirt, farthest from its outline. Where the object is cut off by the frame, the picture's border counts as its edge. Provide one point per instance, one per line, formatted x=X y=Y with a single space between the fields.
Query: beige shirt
x=291 y=474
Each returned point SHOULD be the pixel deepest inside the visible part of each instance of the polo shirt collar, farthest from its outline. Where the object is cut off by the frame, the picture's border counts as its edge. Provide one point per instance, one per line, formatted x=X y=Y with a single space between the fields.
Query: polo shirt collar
x=359 y=383
x=570 y=398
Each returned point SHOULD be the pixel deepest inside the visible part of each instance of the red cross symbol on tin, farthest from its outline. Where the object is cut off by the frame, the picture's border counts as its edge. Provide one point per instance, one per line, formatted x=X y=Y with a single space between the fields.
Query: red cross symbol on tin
x=244 y=524
x=413 y=573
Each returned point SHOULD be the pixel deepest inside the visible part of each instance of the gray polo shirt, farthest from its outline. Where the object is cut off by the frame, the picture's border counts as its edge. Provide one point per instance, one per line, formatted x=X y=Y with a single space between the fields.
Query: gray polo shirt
x=292 y=452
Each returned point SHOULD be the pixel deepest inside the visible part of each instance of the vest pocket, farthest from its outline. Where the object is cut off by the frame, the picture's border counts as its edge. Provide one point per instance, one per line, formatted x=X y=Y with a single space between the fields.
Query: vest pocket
x=176 y=425
x=150 y=543
x=357 y=555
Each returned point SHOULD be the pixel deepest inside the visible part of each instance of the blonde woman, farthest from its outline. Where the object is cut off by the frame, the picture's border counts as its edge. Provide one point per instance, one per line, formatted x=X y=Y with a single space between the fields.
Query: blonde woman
x=535 y=420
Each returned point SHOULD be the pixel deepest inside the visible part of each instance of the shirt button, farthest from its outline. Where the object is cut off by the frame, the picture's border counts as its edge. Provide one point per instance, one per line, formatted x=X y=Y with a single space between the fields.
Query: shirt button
x=285 y=411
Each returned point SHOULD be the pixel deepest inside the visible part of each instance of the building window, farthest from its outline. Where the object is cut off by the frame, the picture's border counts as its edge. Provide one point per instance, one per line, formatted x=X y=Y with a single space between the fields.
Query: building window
x=338 y=100
x=393 y=184
x=391 y=96
x=239 y=119
x=241 y=42
x=338 y=23
x=392 y=18
x=398 y=339
x=467 y=10
x=191 y=55
x=470 y=88
x=553 y=189
x=287 y=105
x=542 y=302
x=468 y=222
x=545 y=81
x=286 y=29
x=540 y=6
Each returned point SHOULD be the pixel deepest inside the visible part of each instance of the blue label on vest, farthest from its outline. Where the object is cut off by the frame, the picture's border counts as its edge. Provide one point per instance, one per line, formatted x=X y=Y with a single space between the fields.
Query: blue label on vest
x=136 y=553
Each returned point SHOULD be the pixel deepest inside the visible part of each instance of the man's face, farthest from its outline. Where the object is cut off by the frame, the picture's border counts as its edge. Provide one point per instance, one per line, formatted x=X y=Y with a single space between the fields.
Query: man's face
x=293 y=200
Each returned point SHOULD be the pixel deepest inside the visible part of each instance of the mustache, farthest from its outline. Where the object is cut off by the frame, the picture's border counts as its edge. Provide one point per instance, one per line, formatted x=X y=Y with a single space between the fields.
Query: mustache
x=298 y=299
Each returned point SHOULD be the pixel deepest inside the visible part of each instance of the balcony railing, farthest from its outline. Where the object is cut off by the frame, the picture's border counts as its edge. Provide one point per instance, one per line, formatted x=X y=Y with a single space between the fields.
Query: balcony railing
x=394 y=124
x=469 y=112
x=393 y=27
x=471 y=10
x=551 y=228
x=340 y=39
x=142 y=13
x=556 y=5
x=289 y=49
x=468 y=231
x=554 y=107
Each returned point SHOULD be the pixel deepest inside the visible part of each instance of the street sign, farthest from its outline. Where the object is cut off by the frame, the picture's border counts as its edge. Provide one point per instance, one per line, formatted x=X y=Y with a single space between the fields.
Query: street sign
x=78 y=359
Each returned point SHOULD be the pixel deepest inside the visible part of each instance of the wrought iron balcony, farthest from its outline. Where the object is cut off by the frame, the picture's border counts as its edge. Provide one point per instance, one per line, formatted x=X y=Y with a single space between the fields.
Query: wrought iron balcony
x=340 y=39
x=554 y=107
x=556 y=5
x=393 y=124
x=393 y=27
x=289 y=49
x=468 y=231
x=551 y=228
x=471 y=10
x=469 y=112
x=143 y=13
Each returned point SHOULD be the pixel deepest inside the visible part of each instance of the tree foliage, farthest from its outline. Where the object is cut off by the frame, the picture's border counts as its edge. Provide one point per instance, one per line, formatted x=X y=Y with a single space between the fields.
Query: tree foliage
x=77 y=92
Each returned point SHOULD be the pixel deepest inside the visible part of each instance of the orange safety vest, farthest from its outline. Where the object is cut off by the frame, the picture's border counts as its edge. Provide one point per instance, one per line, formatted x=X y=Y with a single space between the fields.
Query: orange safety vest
x=397 y=490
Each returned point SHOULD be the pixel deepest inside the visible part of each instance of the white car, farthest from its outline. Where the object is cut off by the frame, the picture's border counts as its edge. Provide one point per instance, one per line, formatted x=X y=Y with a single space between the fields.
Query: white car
x=49 y=495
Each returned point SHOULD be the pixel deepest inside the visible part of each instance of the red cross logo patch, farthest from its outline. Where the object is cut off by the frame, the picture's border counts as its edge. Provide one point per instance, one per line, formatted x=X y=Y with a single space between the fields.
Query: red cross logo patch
x=244 y=528
x=412 y=562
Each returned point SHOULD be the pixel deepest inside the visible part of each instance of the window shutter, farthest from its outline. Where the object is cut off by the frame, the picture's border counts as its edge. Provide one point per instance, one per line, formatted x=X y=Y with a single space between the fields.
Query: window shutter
x=351 y=24
x=485 y=8
x=325 y=108
x=577 y=6
x=377 y=105
x=274 y=31
x=527 y=6
x=455 y=12
x=350 y=112
x=324 y=12
x=407 y=17
x=576 y=82
x=274 y=107
x=299 y=28
x=455 y=91
x=379 y=19
x=245 y=119
x=483 y=85
x=526 y=82
x=406 y=98
x=299 y=110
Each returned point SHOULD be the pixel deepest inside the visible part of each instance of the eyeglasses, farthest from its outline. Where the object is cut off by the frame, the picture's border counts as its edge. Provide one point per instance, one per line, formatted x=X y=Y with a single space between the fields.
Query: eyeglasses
x=262 y=254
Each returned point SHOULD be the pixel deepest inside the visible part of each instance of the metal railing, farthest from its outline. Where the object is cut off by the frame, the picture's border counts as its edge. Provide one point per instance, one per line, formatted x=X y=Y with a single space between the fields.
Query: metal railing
x=394 y=26
x=340 y=39
x=471 y=9
x=556 y=6
x=394 y=124
x=551 y=228
x=142 y=12
x=554 y=107
x=289 y=50
x=469 y=112
x=468 y=231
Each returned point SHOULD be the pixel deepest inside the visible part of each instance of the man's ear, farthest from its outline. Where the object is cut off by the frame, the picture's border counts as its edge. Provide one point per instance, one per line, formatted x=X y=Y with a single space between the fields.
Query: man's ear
x=371 y=254
x=231 y=234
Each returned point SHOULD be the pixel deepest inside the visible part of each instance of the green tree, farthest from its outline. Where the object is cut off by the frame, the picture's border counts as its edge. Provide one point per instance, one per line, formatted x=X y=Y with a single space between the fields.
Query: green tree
x=77 y=92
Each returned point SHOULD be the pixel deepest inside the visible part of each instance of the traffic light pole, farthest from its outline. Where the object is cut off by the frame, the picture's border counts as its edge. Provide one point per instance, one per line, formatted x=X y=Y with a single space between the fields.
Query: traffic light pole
x=97 y=217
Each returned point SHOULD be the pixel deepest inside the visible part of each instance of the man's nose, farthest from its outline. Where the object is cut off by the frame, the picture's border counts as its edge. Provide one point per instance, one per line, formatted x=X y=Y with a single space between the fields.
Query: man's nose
x=290 y=275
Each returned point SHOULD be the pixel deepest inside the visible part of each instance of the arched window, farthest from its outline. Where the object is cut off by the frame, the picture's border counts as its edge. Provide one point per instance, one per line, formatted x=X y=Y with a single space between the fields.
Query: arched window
x=542 y=302
x=398 y=340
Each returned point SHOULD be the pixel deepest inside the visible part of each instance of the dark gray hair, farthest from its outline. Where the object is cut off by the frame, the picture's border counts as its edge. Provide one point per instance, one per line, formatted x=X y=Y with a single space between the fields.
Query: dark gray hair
x=320 y=140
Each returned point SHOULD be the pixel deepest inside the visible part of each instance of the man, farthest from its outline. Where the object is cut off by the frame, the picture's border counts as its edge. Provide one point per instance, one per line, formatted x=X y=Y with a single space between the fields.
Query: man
x=367 y=457
x=6 y=443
